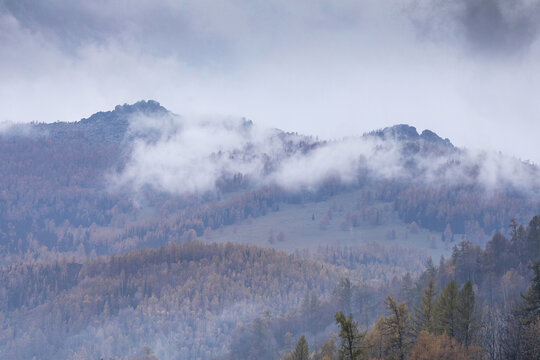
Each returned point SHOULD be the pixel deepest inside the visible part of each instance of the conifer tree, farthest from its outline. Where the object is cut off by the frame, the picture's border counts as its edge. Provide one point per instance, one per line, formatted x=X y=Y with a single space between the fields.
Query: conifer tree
x=533 y=238
x=530 y=317
x=328 y=350
x=425 y=314
x=430 y=268
x=531 y=299
x=447 y=310
x=397 y=329
x=302 y=350
x=351 y=347
x=147 y=354
x=343 y=293
x=466 y=323
x=466 y=320
x=375 y=340
x=408 y=290
x=437 y=347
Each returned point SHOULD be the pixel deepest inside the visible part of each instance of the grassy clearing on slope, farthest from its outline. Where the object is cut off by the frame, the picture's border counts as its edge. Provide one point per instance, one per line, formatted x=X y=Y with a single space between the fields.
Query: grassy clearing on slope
x=314 y=224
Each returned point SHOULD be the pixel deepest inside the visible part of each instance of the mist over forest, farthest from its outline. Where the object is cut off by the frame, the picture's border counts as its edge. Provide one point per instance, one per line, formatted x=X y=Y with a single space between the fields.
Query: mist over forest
x=85 y=202
x=322 y=180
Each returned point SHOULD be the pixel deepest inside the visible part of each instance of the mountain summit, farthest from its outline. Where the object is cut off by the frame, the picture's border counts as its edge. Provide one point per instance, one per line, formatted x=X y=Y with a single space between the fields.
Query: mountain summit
x=104 y=126
x=404 y=132
x=149 y=107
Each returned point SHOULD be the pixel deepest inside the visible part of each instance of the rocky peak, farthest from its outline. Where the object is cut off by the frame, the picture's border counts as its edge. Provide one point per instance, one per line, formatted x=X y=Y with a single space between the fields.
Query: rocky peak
x=407 y=133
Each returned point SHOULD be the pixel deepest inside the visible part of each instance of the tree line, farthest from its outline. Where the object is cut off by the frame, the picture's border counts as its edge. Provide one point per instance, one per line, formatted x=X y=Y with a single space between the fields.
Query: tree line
x=444 y=326
x=471 y=302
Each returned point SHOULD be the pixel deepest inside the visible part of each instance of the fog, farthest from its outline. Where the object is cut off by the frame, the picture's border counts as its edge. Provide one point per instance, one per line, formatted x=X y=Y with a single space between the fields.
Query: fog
x=468 y=70
x=183 y=155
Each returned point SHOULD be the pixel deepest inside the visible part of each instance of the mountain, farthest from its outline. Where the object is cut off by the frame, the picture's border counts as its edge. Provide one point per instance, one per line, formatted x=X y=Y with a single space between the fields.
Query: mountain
x=198 y=236
x=142 y=176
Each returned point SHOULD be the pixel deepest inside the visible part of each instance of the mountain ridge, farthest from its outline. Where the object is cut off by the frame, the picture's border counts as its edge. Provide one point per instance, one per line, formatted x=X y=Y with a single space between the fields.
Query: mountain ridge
x=116 y=122
x=164 y=180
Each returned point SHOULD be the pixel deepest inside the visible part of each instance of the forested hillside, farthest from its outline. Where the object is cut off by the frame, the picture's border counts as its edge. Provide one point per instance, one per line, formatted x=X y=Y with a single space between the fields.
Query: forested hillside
x=141 y=229
x=79 y=189
x=184 y=300
x=197 y=300
x=323 y=180
x=479 y=304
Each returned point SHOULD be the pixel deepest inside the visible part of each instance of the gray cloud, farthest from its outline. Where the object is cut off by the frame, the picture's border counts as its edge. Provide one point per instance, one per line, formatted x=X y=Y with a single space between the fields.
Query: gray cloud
x=207 y=29
x=501 y=25
x=487 y=27
x=463 y=69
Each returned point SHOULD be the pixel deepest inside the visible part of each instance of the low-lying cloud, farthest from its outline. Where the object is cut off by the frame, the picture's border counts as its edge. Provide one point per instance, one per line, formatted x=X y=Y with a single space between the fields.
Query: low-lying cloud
x=185 y=155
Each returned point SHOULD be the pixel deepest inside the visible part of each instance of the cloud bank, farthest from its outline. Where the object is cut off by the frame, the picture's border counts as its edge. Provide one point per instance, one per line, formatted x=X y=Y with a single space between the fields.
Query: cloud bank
x=184 y=155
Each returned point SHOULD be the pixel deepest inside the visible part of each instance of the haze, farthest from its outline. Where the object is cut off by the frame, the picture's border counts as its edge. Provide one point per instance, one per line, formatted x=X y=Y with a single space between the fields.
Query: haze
x=469 y=70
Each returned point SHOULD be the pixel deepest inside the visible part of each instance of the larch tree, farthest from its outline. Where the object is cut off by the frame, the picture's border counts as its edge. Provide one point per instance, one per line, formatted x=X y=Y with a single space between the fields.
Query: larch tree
x=436 y=347
x=466 y=319
x=531 y=299
x=447 y=310
x=375 y=340
x=530 y=317
x=397 y=329
x=425 y=314
x=533 y=238
x=328 y=350
x=302 y=350
x=408 y=289
x=343 y=293
x=351 y=347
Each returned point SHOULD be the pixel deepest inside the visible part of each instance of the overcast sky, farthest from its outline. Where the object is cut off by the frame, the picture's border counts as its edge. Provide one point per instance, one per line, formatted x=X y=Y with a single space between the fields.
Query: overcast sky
x=467 y=69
